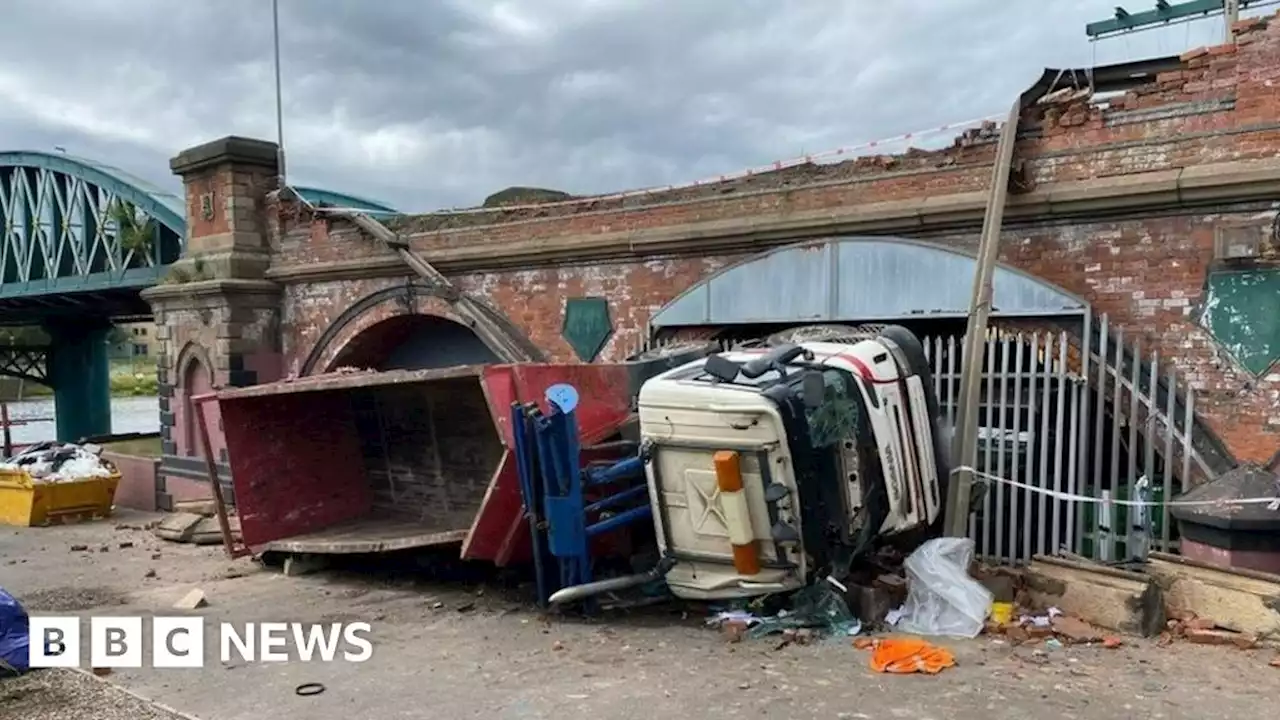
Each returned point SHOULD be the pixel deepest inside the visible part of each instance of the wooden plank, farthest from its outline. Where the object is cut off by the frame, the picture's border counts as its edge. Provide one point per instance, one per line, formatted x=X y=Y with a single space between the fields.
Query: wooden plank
x=1115 y=599
x=1246 y=601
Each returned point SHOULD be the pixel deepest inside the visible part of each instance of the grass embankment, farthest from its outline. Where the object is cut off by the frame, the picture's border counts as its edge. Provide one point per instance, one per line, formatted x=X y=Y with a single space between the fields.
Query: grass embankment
x=128 y=379
x=139 y=447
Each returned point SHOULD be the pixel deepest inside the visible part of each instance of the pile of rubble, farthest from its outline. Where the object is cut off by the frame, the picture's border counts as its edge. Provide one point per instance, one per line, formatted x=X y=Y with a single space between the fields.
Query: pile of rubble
x=1205 y=631
x=1053 y=628
x=1052 y=602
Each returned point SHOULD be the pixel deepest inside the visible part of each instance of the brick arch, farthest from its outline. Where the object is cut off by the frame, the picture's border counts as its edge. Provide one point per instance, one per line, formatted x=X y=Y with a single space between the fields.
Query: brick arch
x=413 y=298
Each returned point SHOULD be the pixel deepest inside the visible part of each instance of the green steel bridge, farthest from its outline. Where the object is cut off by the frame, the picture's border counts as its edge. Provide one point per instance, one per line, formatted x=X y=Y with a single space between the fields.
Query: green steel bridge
x=79 y=241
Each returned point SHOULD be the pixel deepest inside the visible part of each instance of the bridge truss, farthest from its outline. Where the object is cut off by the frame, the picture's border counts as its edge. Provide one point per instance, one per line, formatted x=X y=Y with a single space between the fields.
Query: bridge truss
x=79 y=230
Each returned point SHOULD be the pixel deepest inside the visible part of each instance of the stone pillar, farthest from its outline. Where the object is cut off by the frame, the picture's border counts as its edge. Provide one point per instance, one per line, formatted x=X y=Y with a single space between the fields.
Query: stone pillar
x=217 y=317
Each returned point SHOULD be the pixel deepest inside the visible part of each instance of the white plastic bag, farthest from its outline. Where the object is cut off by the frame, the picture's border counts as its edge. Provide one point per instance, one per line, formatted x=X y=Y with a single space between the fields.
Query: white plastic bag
x=941 y=597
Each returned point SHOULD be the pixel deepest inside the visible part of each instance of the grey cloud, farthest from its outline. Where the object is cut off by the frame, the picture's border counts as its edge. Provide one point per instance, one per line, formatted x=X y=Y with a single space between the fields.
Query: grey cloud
x=437 y=103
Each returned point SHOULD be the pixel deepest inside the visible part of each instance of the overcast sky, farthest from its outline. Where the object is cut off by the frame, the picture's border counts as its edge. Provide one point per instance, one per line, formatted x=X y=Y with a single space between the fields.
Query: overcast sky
x=437 y=103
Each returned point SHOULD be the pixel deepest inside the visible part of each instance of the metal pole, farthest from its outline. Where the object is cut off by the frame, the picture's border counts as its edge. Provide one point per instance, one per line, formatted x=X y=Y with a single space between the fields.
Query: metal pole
x=211 y=467
x=966 y=449
x=275 y=27
x=1231 y=13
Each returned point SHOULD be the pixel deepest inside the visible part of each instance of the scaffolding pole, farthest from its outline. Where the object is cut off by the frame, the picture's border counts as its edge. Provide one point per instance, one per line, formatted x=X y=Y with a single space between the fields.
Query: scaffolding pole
x=960 y=488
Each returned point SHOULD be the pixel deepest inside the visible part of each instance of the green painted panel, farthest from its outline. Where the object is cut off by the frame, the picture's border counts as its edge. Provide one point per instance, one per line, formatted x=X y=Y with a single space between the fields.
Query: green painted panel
x=93 y=282
x=587 y=326
x=1242 y=310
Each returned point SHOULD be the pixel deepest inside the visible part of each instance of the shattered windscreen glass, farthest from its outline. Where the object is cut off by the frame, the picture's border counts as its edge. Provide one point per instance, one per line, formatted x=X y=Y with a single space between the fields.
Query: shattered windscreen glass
x=836 y=418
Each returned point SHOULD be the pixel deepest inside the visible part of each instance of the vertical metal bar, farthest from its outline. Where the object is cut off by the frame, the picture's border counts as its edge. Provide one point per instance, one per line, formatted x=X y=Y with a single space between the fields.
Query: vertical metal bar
x=1042 y=516
x=1189 y=418
x=1099 y=440
x=219 y=503
x=1028 y=519
x=8 y=433
x=1118 y=379
x=1131 y=482
x=1017 y=458
x=935 y=364
x=275 y=28
x=988 y=404
x=1082 y=479
x=951 y=382
x=999 y=437
x=1149 y=442
x=1074 y=391
x=1059 y=442
x=1171 y=431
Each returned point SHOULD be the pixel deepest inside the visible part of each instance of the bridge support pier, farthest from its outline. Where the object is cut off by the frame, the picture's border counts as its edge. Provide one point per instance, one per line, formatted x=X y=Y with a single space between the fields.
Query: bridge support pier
x=80 y=373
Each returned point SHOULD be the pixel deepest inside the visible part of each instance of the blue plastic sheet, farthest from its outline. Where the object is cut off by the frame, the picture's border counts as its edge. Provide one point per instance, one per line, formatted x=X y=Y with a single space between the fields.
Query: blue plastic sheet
x=15 y=635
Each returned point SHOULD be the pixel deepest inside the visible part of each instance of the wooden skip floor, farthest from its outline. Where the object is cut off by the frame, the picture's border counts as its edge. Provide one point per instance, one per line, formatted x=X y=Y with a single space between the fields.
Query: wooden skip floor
x=370 y=535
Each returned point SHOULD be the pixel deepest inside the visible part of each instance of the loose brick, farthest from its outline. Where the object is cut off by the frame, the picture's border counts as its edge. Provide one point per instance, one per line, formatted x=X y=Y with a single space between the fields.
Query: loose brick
x=1214 y=637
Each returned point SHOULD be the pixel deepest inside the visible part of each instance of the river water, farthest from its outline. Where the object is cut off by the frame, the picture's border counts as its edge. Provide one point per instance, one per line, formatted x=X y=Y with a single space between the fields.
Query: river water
x=128 y=415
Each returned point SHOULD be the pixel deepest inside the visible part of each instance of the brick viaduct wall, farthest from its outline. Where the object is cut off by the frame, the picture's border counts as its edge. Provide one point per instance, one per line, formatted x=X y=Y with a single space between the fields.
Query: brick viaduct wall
x=1120 y=202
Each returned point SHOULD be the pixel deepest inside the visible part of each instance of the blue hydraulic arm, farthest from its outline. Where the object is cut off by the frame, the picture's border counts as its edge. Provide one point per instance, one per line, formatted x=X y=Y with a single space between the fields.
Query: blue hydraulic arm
x=552 y=480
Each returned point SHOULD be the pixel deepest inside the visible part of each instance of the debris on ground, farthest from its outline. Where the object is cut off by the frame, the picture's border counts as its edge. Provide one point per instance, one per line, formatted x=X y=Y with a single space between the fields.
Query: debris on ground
x=72 y=598
x=816 y=606
x=67 y=693
x=1051 y=626
x=942 y=598
x=53 y=462
x=800 y=618
x=1206 y=631
x=192 y=600
x=194 y=528
x=906 y=655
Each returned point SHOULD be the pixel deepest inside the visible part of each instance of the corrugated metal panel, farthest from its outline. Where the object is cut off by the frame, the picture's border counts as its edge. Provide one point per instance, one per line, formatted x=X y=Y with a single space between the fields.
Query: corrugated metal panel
x=857 y=279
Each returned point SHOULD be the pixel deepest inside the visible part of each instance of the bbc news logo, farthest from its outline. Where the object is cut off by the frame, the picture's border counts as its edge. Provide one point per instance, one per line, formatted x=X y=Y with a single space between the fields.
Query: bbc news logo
x=179 y=642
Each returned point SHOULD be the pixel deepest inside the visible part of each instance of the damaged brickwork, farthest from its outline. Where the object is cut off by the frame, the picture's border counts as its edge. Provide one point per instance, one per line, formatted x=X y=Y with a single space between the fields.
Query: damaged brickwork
x=1119 y=198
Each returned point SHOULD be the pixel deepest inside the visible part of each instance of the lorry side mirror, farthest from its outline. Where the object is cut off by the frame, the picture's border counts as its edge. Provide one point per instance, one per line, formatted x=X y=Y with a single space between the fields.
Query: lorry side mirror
x=814 y=389
x=775 y=359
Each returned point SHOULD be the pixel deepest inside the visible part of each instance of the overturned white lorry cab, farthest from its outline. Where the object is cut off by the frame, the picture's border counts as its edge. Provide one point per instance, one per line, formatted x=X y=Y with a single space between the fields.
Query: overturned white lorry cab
x=768 y=467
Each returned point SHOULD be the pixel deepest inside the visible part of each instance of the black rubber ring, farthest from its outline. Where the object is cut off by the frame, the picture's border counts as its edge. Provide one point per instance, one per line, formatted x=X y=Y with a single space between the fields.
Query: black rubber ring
x=306 y=689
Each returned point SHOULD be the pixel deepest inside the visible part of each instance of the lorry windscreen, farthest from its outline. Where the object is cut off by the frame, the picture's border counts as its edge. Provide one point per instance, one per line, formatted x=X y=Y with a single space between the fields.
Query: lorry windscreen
x=815 y=432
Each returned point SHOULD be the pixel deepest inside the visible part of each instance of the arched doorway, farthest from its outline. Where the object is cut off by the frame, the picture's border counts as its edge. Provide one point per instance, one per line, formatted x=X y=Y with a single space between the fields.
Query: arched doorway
x=196 y=379
x=413 y=342
x=1067 y=405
